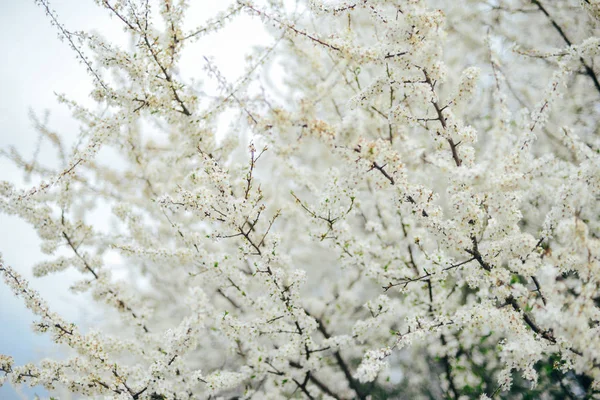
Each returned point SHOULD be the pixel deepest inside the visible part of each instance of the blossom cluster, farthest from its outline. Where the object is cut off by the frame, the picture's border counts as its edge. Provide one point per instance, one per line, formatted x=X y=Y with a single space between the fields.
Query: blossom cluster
x=413 y=214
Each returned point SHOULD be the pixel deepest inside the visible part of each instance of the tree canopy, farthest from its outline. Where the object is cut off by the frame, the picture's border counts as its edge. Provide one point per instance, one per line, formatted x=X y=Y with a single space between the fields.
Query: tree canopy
x=397 y=199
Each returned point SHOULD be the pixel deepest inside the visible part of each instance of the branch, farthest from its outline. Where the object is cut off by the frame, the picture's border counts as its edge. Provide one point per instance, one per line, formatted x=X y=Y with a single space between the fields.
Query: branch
x=290 y=27
x=439 y=110
x=529 y=321
x=383 y=171
x=588 y=69
x=68 y=35
x=477 y=255
x=513 y=302
x=89 y=268
x=342 y=364
x=406 y=281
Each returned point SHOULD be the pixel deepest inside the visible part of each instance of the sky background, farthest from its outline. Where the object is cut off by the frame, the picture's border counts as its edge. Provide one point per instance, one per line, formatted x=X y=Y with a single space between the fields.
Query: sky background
x=36 y=65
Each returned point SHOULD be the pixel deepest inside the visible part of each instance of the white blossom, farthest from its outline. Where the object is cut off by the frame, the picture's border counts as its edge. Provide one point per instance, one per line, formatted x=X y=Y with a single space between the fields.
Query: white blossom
x=419 y=190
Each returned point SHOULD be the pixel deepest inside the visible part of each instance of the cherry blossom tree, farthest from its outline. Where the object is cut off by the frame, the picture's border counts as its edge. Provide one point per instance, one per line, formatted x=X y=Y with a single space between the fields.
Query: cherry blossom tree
x=407 y=209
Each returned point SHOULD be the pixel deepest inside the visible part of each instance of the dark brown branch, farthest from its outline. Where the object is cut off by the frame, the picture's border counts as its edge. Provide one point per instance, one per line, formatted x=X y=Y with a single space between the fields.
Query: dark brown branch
x=329 y=219
x=291 y=27
x=477 y=255
x=448 y=369
x=439 y=110
x=210 y=25
x=538 y=289
x=302 y=386
x=529 y=321
x=249 y=175
x=323 y=387
x=233 y=303
x=31 y=296
x=383 y=171
x=134 y=395
x=121 y=17
x=68 y=35
x=91 y=270
x=548 y=335
x=85 y=263
x=184 y=109
x=317 y=382
x=588 y=69
x=406 y=281
x=396 y=55
x=271 y=222
x=143 y=32
x=342 y=364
